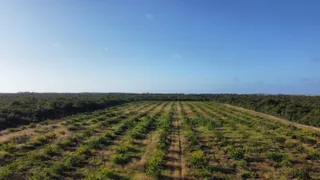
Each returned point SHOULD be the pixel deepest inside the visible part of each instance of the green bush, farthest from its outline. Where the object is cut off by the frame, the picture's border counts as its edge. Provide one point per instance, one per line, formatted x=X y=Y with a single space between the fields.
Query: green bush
x=236 y=153
x=219 y=136
x=120 y=158
x=58 y=168
x=285 y=163
x=8 y=147
x=276 y=156
x=74 y=160
x=198 y=159
x=280 y=139
x=309 y=140
x=247 y=175
x=289 y=144
x=106 y=174
x=41 y=140
x=241 y=164
x=302 y=173
x=51 y=150
x=154 y=165
x=314 y=155
x=103 y=174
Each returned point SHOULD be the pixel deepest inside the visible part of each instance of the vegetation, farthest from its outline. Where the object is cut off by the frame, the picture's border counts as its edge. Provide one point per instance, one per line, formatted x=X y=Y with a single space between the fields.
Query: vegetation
x=300 y=109
x=160 y=139
x=25 y=108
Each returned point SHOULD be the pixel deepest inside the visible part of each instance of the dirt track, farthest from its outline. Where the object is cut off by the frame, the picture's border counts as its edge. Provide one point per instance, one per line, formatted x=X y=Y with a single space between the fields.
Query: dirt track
x=174 y=160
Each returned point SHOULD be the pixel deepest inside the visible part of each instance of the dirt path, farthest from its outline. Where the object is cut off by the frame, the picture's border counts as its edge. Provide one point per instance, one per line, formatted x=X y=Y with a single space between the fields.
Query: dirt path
x=270 y=117
x=174 y=159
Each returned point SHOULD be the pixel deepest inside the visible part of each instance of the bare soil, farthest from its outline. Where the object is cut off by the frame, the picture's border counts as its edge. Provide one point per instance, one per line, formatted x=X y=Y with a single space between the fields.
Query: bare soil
x=174 y=160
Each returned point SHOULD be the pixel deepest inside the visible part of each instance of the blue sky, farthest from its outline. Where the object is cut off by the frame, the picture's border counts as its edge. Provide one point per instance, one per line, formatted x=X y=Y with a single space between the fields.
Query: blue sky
x=206 y=46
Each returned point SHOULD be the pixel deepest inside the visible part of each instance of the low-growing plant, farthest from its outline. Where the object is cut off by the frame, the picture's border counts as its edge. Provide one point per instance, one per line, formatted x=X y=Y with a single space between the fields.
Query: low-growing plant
x=120 y=158
x=236 y=153
x=218 y=136
x=314 y=155
x=41 y=140
x=20 y=139
x=289 y=144
x=280 y=139
x=302 y=173
x=198 y=159
x=51 y=150
x=103 y=174
x=276 y=156
x=8 y=147
x=241 y=164
x=285 y=163
x=154 y=165
x=247 y=175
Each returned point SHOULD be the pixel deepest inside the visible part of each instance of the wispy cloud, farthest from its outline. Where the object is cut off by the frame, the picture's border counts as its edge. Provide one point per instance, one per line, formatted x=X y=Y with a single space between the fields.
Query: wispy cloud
x=55 y=44
x=177 y=56
x=150 y=16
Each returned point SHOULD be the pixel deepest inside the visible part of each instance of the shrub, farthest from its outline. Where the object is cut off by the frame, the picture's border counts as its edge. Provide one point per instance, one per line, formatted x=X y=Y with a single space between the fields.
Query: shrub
x=73 y=160
x=203 y=173
x=103 y=174
x=198 y=159
x=8 y=147
x=309 y=140
x=51 y=150
x=280 y=139
x=285 y=163
x=154 y=165
x=247 y=174
x=276 y=156
x=58 y=168
x=300 y=149
x=302 y=173
x=43 y=175
x=20 y=139
x=314 y=155
x=4 y=155
x=289 y=144
x=120 y=158
x=41 y=140
x=88 y=132
x=97 y=142
x=236 y=153
x=241 y=164
x=106 y=174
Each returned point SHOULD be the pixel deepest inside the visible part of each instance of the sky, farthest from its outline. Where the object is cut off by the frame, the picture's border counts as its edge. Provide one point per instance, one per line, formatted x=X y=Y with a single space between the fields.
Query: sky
x=160 y=46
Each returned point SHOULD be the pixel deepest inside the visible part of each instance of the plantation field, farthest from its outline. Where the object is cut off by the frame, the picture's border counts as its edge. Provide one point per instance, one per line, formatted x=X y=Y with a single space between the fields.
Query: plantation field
x=163 y=140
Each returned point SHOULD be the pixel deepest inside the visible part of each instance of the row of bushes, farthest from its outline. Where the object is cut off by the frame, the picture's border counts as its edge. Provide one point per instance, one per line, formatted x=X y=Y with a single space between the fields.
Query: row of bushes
x=270 y=148
x=154 y=166
x=82 y=137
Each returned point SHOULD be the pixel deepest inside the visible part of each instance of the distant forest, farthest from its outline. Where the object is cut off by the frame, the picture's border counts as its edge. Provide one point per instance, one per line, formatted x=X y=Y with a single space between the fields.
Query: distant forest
x=25 y=108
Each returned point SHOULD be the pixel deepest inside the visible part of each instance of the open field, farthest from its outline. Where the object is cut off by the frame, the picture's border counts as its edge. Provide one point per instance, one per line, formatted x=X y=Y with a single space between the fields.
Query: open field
x=162 y=140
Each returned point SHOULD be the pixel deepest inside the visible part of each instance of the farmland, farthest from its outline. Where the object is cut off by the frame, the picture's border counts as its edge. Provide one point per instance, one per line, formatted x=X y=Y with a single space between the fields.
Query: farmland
x=161 y=139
